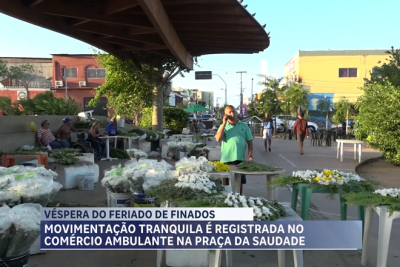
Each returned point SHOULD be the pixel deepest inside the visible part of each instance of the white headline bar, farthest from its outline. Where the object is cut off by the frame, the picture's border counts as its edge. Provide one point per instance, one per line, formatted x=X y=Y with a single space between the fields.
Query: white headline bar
x=150 y=214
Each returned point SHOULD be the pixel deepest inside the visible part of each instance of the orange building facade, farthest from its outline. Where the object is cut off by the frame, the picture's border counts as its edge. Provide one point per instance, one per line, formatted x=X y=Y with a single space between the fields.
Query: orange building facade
x=66 y=75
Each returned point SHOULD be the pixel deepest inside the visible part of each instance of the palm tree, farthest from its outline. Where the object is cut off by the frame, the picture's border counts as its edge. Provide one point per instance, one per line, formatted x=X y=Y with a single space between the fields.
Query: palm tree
x=325 y=106
x=270 y=97
x=344 y=109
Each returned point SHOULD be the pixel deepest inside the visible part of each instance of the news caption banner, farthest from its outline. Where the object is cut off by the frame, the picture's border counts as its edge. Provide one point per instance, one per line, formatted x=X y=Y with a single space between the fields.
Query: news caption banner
x=189 y=228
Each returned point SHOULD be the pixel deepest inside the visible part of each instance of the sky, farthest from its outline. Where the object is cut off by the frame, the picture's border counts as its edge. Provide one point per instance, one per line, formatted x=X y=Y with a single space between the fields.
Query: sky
x=294 y=25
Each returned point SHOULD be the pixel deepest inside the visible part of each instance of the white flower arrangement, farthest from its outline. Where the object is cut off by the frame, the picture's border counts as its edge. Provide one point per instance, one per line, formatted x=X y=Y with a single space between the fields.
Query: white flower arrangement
x=327 y=177
x=392 y=192
x=195 y=165
x=203 y=149
x=143 y=173
x=197 y=181
x=182 y=146
x=136 y=153
x=262 y=210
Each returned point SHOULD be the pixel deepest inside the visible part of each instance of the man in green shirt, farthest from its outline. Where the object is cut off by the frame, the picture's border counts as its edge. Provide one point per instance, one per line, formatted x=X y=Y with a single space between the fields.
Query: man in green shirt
x=235 y=135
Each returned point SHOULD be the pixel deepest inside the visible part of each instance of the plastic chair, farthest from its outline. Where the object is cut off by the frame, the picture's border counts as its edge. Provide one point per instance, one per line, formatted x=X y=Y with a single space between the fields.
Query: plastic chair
x=385 y=228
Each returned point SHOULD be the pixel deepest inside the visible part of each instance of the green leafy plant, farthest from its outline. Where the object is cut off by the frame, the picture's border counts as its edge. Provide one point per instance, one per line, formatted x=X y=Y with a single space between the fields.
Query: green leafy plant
x=378 y=121
x=10 y=108
x=166 y=191
x=66 y=156
x=175 y=119
x=373 y=199
x=257 y=167
x=118 y=153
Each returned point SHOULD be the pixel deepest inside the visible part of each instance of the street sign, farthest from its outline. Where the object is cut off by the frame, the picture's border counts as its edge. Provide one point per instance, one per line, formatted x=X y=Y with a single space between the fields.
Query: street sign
x=203 y=75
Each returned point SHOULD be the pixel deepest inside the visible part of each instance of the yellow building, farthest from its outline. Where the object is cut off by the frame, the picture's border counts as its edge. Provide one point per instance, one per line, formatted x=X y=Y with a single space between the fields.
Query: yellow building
x=333 y=74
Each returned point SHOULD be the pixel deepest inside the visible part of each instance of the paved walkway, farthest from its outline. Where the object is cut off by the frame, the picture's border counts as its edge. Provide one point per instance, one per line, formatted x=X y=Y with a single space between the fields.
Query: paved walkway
x=284 y=154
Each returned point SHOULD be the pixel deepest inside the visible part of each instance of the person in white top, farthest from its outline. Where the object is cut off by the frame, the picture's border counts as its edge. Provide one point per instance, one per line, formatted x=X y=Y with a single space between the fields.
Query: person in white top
x=266 y=131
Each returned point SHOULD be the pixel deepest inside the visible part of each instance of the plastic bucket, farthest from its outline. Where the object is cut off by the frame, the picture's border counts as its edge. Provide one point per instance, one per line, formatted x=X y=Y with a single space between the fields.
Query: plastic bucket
x=21 y=261
x=118 y=199
x=86 y=181
x=141 y=200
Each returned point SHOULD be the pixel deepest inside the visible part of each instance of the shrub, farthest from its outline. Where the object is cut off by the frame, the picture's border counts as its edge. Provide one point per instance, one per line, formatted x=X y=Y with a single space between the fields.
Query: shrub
x=175 y=119
x=145 y=121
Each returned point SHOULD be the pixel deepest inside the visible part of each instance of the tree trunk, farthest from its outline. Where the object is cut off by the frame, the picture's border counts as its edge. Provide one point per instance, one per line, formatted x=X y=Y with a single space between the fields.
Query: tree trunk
x=347 y=122
x=158 y=105
x=327 y=121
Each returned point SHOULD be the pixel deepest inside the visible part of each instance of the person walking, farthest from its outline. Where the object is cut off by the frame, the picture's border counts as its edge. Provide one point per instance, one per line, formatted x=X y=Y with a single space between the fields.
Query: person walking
x=302 y=131
x=234 y=136
x=266 y=131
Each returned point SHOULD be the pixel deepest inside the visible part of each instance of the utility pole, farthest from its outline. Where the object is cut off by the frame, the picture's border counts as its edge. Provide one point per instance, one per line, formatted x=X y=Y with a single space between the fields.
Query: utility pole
x=241 y=89
x=252 y=92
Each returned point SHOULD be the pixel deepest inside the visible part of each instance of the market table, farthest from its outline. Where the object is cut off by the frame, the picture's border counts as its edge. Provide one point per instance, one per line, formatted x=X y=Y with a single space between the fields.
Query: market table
x=385 y=228
x=236 y=183
x=9 y=160
x=291 y=215
x=108 y=146
x=340 y=143
x=180 y=136
x=130 y=139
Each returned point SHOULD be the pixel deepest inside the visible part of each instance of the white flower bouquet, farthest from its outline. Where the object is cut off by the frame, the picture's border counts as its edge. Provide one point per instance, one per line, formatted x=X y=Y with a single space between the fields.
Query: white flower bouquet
x=194 y=164
x=263 y=210
x=181 y=146
x=20 y=184
x=197 y=181
x=327 y=177
x=136 y=153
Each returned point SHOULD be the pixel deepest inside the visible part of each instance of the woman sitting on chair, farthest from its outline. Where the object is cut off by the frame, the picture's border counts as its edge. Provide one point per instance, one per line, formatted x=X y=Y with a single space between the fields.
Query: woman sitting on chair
x=96 y=142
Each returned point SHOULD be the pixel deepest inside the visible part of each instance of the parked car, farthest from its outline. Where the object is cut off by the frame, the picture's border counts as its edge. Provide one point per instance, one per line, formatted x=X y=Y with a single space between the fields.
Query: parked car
x=207 y=117
x=280 y=121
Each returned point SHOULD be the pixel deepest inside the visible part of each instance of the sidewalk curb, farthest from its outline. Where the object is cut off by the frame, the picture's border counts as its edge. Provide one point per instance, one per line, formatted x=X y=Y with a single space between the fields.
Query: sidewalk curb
x=365 y=162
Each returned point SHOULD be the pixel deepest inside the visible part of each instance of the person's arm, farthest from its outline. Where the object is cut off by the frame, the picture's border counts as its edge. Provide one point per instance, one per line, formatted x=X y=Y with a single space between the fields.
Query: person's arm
x=249 y=140
x=220 y=132
x=39 y=138
x=250 y=147
x=294 y=126
x=57 y=135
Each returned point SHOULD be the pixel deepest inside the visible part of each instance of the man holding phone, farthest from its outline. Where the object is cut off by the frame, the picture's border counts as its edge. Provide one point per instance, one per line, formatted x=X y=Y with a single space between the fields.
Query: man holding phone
x=235 y=135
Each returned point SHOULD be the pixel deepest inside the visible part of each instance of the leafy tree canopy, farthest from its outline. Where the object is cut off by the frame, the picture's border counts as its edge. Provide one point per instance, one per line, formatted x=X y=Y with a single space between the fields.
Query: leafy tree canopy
x=20 y=73
x=130 y=82
x=378 y=121
x=389 y=71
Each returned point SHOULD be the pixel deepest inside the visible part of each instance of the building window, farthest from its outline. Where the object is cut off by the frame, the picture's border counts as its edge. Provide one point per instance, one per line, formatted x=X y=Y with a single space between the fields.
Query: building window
x=71 y=73
x=96 y=73
x=347 y=72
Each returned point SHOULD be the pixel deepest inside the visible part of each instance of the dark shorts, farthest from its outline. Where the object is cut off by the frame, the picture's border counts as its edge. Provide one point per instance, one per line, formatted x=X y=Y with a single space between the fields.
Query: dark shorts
x=301 y=138
x=235 y=163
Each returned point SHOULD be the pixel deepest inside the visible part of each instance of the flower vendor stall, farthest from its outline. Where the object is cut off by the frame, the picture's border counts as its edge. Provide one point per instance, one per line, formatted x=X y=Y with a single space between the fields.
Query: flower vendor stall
x=134 y=179
x=255 y=169
x=176 y=150
x=325 y=182
x=202 y=190
x=386 y=203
